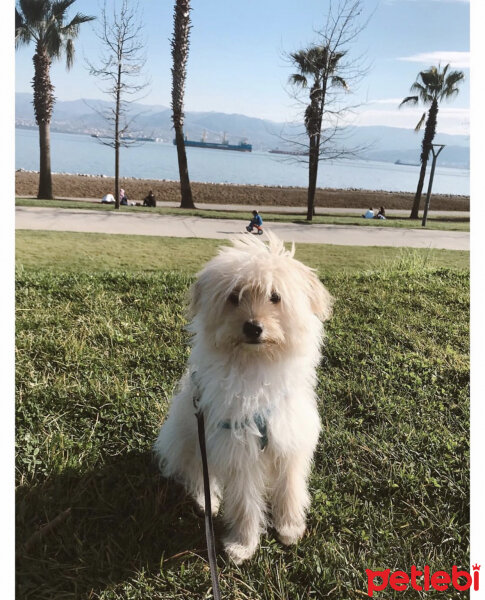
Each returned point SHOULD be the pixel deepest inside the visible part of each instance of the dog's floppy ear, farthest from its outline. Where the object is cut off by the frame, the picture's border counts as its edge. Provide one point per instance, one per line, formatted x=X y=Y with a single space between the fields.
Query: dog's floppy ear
x=320 y=298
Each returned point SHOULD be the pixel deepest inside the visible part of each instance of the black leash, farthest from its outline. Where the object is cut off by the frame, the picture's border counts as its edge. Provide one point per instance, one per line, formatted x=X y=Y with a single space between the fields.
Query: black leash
x=209 y=526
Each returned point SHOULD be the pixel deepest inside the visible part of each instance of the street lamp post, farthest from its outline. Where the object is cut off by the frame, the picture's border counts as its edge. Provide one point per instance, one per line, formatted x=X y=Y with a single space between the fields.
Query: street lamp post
x=431 y=177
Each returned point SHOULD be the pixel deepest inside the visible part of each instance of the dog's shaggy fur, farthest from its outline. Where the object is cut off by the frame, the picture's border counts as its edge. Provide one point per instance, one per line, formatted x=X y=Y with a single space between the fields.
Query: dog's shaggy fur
x=256 y=318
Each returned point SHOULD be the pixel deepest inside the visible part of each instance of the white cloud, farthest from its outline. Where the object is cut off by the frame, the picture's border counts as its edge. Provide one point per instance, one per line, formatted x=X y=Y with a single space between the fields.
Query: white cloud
x=444 y=1
x=457 y=60
x=394 y=101
x=450 y=120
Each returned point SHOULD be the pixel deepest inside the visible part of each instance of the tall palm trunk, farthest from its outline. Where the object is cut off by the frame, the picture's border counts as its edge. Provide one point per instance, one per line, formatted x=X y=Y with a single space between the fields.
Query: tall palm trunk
x=312 y=124
x=180 y=51
x=43 y=105
x=313 y=157
x=45 y=176
x=314 y=128
x=185 y=189
x=429 y=133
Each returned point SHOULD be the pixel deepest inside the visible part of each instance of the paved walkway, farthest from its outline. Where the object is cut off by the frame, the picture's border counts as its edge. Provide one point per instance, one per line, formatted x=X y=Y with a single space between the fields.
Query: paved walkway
x=319 y=210
x=54 y=219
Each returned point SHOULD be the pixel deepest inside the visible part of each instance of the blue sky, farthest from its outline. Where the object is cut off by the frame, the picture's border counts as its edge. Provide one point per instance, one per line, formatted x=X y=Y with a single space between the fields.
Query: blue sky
x=237 y=56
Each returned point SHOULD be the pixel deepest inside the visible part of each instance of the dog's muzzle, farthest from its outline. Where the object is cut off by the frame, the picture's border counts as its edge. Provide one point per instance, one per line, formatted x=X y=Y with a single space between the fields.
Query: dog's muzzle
x=253 y=330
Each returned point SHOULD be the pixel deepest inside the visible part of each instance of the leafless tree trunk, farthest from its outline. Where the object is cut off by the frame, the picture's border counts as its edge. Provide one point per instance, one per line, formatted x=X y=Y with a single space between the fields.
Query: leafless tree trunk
x=120 y=65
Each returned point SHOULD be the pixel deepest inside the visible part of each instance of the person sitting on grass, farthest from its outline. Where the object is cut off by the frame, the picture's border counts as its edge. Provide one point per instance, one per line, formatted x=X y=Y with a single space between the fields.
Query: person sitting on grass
x=150 y=200
x=108 y=199
x=256 y=221
x=369 y=214
x=381 y=214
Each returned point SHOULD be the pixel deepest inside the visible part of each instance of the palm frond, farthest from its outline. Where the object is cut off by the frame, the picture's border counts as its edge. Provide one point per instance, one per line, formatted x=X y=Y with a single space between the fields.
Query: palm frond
x=436 y=84
x=420 y=122
x=72 y=28
x=34 y=11
x=450 y=93
x=22 y=32
x=43 y=21
x=60 y=7
x=339 y=82
x=430 y=77
x=313 y=60
x=450 y=88
x=410 y=99
x=69 y=53
x=298 y=79
x=424 y=92
x=19 y=20
x=417 y=87
x=23 y=37
x=53 y=40
x=334 y=60
x=300 y=59
x=454 y=77
x=318 y=58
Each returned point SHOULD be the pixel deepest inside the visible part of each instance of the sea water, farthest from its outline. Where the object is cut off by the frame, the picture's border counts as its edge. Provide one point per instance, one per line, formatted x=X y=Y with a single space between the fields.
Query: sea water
x=73 y=153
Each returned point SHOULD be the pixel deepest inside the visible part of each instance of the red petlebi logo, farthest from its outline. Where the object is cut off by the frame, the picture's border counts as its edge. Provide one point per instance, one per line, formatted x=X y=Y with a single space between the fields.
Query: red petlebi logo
x=439 y=580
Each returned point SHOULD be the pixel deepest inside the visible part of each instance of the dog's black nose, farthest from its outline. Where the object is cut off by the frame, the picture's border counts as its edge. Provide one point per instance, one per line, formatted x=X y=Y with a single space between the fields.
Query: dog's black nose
x=252 y=329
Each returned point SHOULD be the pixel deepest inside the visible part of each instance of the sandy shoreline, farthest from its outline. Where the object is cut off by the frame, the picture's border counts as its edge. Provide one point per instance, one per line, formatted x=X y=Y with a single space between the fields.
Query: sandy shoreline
x=87 y=186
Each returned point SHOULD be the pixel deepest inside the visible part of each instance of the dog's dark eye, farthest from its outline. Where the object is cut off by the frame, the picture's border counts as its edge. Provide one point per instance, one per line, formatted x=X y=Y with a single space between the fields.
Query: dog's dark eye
x=275 y=298
x=234 y=298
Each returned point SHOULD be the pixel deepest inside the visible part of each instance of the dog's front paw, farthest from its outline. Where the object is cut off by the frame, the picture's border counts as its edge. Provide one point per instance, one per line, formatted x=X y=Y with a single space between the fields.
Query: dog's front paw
x=200 y=504
x=291 y=533
x=238 y=552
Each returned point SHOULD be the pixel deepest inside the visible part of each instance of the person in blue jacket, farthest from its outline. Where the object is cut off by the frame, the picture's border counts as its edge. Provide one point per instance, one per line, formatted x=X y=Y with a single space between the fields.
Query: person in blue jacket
x=256 y=221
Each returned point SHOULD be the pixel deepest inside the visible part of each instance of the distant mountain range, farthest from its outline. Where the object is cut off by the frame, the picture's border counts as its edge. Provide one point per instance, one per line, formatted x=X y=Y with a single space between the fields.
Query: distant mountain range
x=388 y=144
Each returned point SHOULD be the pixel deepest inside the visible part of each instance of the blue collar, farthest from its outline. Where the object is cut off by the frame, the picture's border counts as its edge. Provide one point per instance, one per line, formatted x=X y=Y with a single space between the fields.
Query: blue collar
x=258 y=418
x=259 y=421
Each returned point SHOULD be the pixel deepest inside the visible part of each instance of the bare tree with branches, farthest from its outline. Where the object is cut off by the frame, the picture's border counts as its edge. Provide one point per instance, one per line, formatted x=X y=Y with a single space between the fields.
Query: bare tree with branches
x=326 y=70
x=121 y=64
x=180 y=53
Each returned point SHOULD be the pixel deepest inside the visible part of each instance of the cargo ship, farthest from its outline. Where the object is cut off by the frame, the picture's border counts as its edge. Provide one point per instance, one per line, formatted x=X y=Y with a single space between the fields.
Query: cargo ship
x=288 y=152
x=408 y=164
x=243 y=146
x=128 y=138
x=140 y=138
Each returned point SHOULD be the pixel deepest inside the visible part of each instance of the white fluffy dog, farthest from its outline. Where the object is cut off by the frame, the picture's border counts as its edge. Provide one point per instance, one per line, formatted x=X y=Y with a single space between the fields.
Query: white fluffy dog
x=256 y=318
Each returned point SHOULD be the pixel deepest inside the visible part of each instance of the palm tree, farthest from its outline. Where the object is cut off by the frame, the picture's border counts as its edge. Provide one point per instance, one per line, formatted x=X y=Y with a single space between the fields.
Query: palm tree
x=180 y=52
x=432 y=87
x=317 y=67
x=43 y=22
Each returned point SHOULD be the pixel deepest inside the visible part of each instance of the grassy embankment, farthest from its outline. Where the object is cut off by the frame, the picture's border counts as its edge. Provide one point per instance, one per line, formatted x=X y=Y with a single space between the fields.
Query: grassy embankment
x=100 y=346
x=252 y=196
x=443 y=223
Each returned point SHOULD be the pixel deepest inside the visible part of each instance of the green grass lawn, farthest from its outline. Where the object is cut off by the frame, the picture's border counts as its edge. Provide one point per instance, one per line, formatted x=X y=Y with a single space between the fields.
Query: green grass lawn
x=444 y=223
x=61 y=251
x=100 y=347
